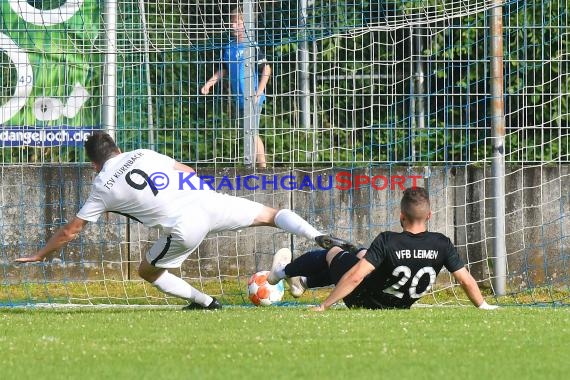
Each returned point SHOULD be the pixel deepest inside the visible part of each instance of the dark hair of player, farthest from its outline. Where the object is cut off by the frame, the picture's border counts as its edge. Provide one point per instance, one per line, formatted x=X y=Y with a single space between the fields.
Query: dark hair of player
x=99 y=147
x=415 y=204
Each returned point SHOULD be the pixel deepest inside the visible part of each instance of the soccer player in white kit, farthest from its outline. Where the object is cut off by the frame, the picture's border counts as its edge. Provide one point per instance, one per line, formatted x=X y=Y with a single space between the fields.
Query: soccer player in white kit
x=185 y=216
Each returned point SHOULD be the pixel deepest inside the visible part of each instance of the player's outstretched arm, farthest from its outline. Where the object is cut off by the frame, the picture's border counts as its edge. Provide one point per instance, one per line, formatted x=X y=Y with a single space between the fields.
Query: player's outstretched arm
x=470 y=287
x=347 y=283
x=61 y=237
x=183 y=168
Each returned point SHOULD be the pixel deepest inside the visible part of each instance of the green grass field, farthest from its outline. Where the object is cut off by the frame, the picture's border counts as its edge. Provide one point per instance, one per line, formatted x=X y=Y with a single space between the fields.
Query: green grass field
x=285 y=343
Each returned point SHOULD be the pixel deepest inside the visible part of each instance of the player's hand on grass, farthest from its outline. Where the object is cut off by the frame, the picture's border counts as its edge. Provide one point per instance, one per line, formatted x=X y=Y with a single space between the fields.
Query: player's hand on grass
x=486 y=306
x=29 y=259
x=320 y=308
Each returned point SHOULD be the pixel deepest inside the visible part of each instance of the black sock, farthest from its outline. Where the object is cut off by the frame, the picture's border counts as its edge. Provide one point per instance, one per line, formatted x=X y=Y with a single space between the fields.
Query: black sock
x=309 y=264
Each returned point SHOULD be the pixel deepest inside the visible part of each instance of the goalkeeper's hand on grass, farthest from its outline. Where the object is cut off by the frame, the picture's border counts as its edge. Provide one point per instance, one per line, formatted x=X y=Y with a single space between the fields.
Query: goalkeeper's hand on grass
x=486 y=306
x=29 y=259
x=319 y=308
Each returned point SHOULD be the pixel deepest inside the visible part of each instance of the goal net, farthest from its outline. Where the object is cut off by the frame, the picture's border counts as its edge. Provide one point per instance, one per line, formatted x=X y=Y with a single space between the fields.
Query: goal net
x=357 y=90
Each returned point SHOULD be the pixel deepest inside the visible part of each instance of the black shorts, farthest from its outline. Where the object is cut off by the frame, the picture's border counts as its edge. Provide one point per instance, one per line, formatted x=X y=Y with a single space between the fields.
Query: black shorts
x=340 y=264
x=365 y=295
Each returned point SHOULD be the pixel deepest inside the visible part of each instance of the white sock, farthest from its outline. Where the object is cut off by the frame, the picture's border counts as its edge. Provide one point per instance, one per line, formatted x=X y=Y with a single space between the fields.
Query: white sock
x=175 y=286
x=289 y=221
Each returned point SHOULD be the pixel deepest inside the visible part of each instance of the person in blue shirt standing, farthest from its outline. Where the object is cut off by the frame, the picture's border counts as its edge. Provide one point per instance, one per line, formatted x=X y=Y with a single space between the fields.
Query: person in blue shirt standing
x=234 y=68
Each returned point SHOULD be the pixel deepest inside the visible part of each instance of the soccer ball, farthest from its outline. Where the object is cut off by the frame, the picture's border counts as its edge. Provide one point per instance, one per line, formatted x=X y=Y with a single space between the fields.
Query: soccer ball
x=261 y=292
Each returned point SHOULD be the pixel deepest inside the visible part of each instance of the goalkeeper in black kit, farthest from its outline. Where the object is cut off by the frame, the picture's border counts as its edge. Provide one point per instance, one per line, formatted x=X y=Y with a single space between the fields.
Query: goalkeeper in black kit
x=396 y=271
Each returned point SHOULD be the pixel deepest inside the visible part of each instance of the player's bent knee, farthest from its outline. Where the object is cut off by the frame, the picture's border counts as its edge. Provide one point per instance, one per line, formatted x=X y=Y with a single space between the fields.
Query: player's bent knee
x=266 y=217
x=149 y=272
x=332 y=253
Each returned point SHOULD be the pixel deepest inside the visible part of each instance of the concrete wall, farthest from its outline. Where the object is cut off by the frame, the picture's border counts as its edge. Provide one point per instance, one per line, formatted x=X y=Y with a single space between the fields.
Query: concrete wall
x=35 y=200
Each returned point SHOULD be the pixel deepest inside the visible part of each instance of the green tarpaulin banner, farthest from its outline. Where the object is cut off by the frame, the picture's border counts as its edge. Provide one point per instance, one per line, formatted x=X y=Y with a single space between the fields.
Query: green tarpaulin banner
x=51 y=76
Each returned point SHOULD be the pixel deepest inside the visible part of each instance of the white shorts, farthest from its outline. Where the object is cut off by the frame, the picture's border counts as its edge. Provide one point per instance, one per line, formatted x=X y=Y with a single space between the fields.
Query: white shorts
x=220 y=212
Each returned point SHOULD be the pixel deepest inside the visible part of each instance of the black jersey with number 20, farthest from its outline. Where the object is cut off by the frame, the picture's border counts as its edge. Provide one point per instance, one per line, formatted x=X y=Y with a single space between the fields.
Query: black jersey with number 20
x=406 y=267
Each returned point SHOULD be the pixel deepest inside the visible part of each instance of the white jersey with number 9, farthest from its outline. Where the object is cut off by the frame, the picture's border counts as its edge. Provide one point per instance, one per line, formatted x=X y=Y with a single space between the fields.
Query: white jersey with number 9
x=144 y=186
